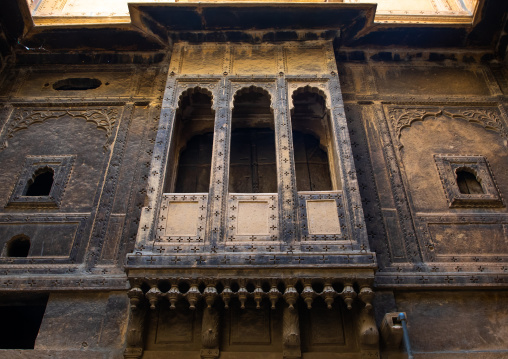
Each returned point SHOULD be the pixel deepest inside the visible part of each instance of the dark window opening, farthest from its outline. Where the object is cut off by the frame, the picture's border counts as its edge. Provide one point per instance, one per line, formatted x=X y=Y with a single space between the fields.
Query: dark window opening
x=193 y=173
x=77 y=84
x=18 y=246
x=41 y=182
x=24 y=319
x=311 y=141
x=253 y=166
x=468 y=183
x=311 y=164
x=189 y=169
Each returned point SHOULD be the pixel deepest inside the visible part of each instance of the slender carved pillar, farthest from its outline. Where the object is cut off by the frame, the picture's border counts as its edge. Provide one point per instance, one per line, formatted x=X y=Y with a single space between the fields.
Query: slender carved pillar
x=288 y=200
x=291 y=333
x=345 y=164
x=220 y=165
x=210 y=334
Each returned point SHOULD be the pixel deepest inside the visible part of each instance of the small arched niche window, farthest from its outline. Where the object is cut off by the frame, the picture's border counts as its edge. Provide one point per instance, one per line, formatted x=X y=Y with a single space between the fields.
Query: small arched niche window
x=312 y=141
x=467 y=181
x=252 y=162
x=18 y=246
x=190 y=155
x=41 y=182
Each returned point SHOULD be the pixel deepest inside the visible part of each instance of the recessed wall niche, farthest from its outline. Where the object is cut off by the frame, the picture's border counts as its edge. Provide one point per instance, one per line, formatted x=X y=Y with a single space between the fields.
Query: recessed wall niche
x=41 y=182
x=468 y=181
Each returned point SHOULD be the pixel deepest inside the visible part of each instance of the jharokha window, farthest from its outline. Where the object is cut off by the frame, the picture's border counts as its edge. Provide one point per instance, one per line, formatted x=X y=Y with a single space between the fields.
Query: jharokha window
x=311 y=141
x=252 y=163
x=192 y=144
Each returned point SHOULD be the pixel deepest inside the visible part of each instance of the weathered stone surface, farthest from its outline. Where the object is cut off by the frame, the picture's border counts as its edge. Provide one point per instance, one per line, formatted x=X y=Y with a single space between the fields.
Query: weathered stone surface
x=476 y=320
x=86 y=321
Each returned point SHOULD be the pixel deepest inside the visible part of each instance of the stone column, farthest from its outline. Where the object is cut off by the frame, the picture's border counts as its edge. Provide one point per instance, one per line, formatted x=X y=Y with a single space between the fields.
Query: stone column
x=220 y=165
x=288 y=197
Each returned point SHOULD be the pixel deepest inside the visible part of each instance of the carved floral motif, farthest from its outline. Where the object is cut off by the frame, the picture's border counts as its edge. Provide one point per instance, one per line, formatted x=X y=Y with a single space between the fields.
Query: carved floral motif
x=487 y=118
x=104 y=119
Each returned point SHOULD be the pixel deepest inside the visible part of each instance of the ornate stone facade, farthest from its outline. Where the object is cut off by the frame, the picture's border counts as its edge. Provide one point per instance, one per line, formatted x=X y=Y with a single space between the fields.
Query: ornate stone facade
x=222 y=181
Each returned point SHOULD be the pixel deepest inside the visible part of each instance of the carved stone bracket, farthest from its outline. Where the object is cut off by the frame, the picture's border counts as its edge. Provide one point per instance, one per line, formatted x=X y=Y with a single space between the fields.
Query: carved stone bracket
x=291 y=333
x=210 y=333
x=136 y=325
x=257 y=289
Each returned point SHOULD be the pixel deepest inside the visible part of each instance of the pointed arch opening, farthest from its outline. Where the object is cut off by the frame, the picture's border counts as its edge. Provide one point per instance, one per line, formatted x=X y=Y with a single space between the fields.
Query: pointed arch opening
x=312 y=141
x=18 y=246
x=253 y=166
x=41 y=182
x=190 y=156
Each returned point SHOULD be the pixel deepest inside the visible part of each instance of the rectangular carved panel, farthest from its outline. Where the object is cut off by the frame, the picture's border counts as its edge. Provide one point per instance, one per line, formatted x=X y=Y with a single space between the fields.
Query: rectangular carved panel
x=203 y=59
x=432 y=80
x=472 y=239
x=326 y=326
x=182 y=218
x=249 y=60
x=175 y=326
x=46 y=239
x=305 y=60
x=40 y=83
x=253 y=218
x=250 y=326
x=322 y=217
